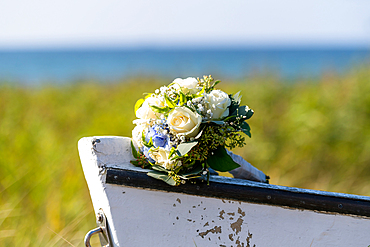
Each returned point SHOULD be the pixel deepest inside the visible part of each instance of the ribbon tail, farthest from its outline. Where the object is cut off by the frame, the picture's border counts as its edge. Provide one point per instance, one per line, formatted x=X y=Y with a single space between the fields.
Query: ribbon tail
x=246 y=170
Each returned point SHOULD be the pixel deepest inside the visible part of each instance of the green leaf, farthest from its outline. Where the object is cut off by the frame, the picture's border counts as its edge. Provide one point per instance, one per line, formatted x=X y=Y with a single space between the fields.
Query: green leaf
x=134 y=152
x=190 y=176
x=216 y=82
x=143 y=137
x=185 y=147
x=182 y=98
x=195 y=172
x=245 y=126
x=162 y=176
x=221 y=161
x=134 y=162
x=146 y=144
x=217 y=122
x=175 y=157
x=159 y=168
x=244 y=111
x=247 y=132
x=246 y=129
x=160 y=109
x=229 y=118
x=233 y=106
x=169 y=102
x=200 y=93
x=212 y=87
x=138 y=104
x=172 y=152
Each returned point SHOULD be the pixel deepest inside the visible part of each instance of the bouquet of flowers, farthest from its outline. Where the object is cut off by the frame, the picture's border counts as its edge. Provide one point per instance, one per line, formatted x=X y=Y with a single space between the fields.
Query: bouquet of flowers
x=183 y=129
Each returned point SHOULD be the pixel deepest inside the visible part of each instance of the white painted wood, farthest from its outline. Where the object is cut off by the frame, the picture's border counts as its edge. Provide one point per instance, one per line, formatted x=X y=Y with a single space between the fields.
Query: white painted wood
x=143 y=217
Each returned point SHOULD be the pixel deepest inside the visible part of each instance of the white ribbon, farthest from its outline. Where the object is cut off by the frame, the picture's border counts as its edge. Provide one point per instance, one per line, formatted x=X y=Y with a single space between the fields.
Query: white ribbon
x=246 y=170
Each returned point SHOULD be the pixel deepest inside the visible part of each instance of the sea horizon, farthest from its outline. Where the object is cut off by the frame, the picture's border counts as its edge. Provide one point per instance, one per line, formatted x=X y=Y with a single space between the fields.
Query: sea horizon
x=108 y=64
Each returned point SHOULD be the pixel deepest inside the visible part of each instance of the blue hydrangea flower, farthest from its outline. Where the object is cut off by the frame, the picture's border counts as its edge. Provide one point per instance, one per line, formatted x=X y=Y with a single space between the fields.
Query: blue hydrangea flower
x=145 y=152
x=158 y=137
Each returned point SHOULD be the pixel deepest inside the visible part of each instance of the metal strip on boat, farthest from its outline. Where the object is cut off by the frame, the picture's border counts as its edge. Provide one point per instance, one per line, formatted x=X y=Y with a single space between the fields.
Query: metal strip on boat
x=249 y=191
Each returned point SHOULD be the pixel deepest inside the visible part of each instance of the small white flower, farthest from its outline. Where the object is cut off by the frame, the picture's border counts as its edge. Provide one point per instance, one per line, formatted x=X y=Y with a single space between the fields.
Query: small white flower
x=156 y=91
x=188 y=85
x=197 y=100
x=182 y=138
x=163 y=89
x=146 y=112
x=137 y=132
x=160 y=155
x=218 y=102
x=209 y=114
x=200 y=107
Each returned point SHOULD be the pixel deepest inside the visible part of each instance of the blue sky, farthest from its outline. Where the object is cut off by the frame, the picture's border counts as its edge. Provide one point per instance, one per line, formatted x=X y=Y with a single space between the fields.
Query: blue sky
x=166 y=23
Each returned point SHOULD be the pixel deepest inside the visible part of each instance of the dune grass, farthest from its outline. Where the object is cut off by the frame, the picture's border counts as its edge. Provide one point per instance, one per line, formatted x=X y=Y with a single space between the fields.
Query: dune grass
x=309 y=134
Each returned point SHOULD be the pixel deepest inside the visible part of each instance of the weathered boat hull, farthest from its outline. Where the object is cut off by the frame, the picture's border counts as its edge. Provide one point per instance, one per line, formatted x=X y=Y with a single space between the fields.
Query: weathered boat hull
x=142 y=211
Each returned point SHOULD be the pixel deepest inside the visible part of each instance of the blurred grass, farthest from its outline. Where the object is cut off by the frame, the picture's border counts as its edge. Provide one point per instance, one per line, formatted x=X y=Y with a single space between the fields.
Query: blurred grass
x=311 y=134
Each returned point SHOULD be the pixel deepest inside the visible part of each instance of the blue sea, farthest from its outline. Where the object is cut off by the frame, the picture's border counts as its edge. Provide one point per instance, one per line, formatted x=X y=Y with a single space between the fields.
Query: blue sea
x=108 y=65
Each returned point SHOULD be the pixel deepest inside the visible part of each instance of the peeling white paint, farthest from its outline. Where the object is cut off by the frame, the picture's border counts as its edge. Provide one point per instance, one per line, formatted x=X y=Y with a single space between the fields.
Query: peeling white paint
x=142 y=217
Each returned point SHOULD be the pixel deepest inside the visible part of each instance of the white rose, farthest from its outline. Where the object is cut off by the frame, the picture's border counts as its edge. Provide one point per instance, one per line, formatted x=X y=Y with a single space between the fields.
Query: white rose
x=137 y=134
x=184 y=121
x=146 y=112
x=218 y=103
x=160 y=155
x=187 y=85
